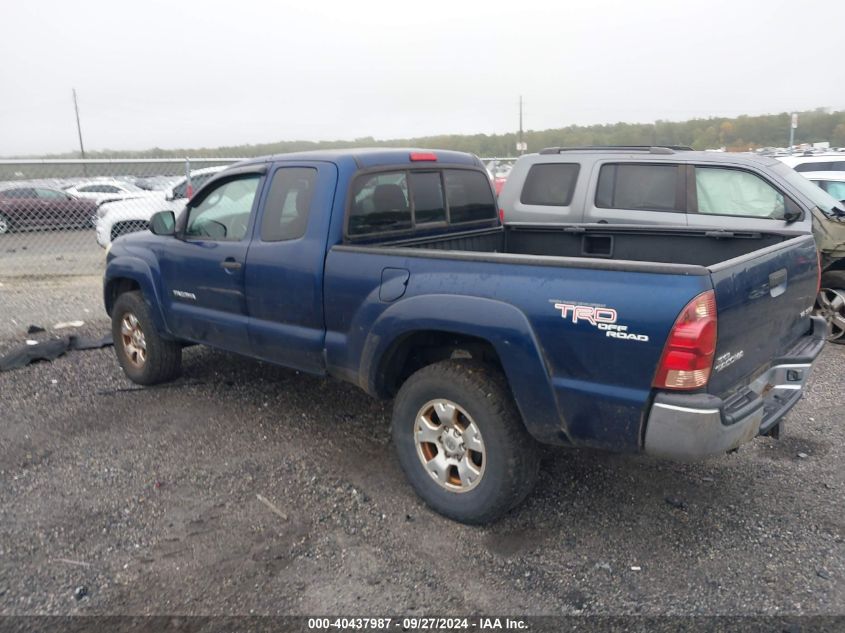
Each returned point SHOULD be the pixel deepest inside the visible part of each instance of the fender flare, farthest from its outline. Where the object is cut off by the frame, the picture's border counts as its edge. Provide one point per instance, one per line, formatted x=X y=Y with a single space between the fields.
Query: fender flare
x=501 y=324
x=139 y=271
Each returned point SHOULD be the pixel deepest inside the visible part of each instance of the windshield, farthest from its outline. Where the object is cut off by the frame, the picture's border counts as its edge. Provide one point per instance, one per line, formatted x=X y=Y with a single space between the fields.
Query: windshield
x=826 y=203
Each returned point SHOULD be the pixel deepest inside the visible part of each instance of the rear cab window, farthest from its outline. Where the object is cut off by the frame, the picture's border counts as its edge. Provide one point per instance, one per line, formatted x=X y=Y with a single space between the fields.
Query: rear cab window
x=406 y=201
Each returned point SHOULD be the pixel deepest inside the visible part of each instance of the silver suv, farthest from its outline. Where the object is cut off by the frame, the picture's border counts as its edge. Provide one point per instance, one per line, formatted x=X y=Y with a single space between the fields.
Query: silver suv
x=678 y=186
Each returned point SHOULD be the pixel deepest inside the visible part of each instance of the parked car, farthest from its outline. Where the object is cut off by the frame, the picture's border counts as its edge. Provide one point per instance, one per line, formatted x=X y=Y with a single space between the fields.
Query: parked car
x=390 y=269
x=24 y=207
x=157 y=183
x=105 y=190
x=831 y=302
x=828 y=161
x=726 y=192
x=127 y=216
x=833 y=182
x=498 y=170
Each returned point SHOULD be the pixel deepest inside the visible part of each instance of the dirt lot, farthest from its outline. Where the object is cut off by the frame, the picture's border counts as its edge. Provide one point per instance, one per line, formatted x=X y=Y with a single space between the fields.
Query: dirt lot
x=123 y=500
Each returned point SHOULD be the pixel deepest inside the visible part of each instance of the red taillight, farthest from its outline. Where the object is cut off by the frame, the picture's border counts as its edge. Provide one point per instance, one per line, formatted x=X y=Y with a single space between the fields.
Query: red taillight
x=688 y=356
x=423 y=156
x=501 y=215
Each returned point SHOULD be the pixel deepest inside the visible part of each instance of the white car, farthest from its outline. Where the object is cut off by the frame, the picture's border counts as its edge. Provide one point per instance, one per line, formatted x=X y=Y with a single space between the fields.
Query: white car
x=831 y=181
x=105 y=190
x=128 y=216
x=829 y=161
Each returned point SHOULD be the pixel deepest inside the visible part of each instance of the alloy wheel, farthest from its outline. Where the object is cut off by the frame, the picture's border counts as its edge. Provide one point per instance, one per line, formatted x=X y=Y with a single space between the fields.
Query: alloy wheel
x=134 y=342
x=449 y=445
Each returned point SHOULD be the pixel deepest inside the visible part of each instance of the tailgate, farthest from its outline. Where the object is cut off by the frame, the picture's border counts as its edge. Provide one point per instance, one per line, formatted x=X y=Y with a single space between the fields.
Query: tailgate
x=764 y=300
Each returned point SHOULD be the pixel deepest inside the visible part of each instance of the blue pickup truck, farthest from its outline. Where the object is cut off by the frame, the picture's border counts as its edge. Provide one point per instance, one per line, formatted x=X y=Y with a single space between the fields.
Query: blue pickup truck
x=390 y=269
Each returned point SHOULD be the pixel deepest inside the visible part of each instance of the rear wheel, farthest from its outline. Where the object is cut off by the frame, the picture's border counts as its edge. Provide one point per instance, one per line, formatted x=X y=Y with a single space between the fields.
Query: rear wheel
x=830 y=304
x=146 y=358
x=461 y=441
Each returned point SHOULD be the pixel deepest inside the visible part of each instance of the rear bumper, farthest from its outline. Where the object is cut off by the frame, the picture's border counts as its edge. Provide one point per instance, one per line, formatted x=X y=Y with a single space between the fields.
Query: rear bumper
x=693 y=426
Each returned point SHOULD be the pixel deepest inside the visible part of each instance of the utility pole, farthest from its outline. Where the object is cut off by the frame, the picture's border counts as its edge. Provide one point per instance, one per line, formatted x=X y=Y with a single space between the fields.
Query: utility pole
x=521 y=146
x=793 y=126
x=79 y=132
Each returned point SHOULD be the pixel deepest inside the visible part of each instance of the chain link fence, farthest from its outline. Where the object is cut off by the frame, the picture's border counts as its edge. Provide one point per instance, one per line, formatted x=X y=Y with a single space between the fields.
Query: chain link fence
x=58 y=216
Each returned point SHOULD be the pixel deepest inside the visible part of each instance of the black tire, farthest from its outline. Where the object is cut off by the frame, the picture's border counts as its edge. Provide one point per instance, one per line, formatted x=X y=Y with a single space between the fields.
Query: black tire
x=5 y=224
x=833 y=280
x=510 y=454
x=162 y=359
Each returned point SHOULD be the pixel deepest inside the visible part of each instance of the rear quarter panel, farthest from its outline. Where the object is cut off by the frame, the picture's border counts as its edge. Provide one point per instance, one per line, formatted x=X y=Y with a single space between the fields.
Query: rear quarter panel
x=572 y=382
x=515 y=210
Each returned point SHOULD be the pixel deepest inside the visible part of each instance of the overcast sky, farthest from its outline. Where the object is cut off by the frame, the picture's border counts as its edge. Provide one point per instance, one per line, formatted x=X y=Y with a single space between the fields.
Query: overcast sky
x=203 y=74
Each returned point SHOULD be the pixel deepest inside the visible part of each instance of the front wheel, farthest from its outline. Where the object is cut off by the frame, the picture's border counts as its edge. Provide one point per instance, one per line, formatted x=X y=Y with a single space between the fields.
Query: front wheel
x=461 y=442
x=146 y=357
x=830 y=304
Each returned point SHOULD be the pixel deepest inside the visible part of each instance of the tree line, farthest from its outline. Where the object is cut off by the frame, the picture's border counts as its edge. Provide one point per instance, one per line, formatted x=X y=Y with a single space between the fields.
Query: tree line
x=735 y=134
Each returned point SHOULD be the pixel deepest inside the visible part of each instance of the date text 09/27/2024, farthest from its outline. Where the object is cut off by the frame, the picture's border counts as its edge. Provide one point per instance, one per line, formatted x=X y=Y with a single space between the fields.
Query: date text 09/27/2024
x=417 y=624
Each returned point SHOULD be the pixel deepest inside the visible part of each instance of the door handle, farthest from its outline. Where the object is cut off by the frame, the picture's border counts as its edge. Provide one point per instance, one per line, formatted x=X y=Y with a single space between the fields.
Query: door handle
x=230 y=264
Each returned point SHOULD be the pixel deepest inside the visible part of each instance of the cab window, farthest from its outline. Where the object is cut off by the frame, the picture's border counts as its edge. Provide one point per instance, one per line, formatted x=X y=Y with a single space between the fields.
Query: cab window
x=223 y=213
x=393 y=201
x=427 y=192
x=469 y=195
x=721 y=191
x=288 y=204
x=380 y=204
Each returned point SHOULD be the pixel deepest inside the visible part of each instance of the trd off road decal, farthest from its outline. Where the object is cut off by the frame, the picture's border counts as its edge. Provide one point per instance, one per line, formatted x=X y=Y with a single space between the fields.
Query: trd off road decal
x=600 y=317
x=727 y=359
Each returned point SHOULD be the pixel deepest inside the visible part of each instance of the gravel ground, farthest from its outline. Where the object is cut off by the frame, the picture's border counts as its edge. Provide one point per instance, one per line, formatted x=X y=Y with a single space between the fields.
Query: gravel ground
x=46 y=301
x=245 y=488
x=61 y=252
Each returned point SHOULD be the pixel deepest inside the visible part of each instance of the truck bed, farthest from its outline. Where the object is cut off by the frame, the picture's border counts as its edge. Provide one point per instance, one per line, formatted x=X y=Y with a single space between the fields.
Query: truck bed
x=693 y=247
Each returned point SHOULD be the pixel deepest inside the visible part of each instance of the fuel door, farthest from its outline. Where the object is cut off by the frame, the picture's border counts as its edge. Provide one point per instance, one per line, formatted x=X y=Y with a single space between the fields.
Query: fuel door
x=394 y=281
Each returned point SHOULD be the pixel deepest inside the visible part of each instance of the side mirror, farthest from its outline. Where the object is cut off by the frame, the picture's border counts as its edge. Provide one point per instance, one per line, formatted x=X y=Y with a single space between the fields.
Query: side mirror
x=163 y=223
x=791 y=216
x=792 y=212
x=169 y=195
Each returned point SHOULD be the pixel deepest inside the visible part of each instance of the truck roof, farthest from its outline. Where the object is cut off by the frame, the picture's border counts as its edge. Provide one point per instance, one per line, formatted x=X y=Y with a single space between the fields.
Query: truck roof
x=373 y=156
